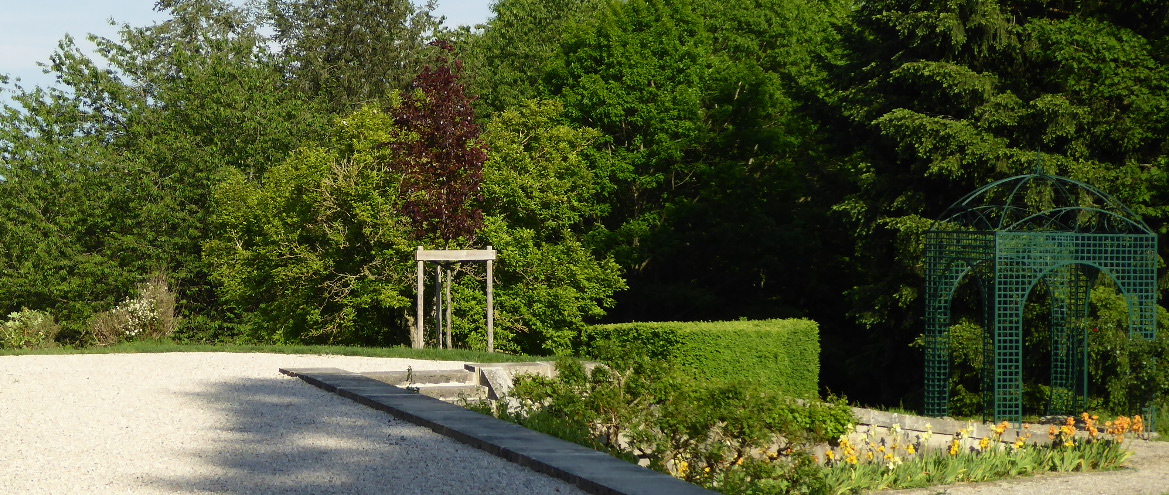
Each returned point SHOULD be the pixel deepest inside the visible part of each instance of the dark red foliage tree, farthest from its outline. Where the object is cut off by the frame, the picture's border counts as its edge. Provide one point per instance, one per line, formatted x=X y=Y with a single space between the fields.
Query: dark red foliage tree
x=443 y=167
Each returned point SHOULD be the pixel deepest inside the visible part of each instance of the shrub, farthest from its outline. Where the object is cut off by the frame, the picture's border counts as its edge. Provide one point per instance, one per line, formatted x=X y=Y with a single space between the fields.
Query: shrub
x=150 y=315
x=641 y=409
x=28 y=329
x=783 y=356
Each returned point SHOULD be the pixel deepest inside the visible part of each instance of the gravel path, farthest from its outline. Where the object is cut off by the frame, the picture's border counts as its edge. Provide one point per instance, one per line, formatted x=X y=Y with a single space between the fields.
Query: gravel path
x=1148 y=474
x=223 y=423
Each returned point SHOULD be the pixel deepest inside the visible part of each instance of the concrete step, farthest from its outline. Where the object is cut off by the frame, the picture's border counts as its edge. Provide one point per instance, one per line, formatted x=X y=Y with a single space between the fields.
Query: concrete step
x=453 y=392
x=423 y=377
x=447 y=385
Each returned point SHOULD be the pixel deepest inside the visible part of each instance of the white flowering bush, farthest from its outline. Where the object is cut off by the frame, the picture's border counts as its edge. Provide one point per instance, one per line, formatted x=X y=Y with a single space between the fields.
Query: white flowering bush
x=28 y=329
x=149 y=315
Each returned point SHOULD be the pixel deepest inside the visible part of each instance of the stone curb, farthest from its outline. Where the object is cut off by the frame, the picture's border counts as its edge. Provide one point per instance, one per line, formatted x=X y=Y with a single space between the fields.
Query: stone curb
x=592 y=471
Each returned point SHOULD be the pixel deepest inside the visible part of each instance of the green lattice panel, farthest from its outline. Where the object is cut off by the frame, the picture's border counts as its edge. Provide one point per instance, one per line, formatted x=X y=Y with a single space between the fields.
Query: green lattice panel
x=1012 y=235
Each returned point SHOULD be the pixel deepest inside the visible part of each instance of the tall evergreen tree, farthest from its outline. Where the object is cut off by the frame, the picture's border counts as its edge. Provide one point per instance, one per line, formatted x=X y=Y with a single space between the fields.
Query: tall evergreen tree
x=941 y=97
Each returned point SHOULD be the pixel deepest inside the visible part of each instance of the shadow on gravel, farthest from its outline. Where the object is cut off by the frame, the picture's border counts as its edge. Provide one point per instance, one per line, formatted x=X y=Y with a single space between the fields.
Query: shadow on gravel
x=283 y=436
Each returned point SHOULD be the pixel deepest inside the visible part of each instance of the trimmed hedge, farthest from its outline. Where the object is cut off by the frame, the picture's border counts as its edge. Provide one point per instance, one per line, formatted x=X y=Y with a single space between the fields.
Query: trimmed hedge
x=781 y=355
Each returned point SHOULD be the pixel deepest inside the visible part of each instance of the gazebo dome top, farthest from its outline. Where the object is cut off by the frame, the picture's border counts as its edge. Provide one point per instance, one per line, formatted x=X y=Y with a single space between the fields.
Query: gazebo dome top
x=1040 y=202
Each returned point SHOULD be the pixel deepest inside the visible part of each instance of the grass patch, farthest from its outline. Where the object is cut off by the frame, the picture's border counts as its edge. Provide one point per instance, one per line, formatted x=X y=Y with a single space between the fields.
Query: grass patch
x=461 y=355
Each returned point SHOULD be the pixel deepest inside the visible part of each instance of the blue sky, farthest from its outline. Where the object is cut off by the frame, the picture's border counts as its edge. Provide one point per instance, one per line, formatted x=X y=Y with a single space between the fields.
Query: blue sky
x=30 y=29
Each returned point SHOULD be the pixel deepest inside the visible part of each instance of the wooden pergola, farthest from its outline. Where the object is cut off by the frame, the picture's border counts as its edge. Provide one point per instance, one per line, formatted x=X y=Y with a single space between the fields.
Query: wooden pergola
x=445 y=257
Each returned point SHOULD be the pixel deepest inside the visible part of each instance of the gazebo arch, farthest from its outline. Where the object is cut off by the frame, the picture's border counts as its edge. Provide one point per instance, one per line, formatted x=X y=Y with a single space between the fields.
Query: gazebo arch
x=1013 y=235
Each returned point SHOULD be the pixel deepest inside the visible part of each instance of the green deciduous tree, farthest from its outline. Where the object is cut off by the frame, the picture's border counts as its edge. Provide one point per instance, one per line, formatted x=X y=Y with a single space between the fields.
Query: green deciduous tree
x=110 y=177
x=542 y=199
x=352 y=52
x=321 y=249
x=507 y=59
x=318 y=250
x=718 y=178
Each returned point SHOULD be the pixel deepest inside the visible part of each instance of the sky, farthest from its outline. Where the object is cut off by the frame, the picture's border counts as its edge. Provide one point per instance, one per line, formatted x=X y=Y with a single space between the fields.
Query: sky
x=30 y=30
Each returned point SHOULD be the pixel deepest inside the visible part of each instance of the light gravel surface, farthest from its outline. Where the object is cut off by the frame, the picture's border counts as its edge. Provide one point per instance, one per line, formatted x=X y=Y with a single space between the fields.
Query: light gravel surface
x=223 y=423
x=1147 y=474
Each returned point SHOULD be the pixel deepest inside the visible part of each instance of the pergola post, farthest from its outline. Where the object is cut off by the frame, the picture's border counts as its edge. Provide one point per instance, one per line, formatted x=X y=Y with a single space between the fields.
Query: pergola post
x=416 y=334
x=438 y=304
x=490 y=304
x=449 y=309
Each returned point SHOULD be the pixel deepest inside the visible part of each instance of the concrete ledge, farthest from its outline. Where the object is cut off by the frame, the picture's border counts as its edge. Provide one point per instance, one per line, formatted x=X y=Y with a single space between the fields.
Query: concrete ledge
x=592 y=471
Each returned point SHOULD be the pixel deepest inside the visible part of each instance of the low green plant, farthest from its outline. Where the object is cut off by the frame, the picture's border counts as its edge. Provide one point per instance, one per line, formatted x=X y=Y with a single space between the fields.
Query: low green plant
x=736 y=438
x=28 y=329
x=646 y=410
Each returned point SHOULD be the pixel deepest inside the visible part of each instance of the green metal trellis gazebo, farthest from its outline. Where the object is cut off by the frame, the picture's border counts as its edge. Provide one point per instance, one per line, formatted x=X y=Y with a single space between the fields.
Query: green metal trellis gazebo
x=1010 y=236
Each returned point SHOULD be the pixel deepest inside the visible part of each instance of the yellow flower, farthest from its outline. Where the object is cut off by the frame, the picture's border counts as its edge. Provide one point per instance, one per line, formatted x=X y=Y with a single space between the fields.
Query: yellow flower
x=683 y=468
x=830 y=455
x=851 y=460
x=870 y=455
x=984 y=443
x=910 y=450
x=1019 y=443
x=954 y=447
x=1069 y=444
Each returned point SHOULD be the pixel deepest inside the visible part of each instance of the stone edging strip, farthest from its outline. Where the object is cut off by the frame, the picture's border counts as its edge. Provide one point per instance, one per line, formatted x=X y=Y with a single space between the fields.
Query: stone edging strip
x=592 y=471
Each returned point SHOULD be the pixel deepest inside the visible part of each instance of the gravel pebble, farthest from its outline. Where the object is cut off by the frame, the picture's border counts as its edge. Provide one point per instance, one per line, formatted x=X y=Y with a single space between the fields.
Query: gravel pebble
x=224 y=423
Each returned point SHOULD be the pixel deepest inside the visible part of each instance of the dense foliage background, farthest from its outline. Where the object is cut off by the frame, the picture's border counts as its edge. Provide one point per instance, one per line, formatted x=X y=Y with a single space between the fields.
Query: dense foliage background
x=632 y=160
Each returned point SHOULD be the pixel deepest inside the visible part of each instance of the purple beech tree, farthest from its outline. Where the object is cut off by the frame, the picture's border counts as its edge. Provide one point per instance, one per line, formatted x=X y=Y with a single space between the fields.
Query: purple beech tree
x=442 y=166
